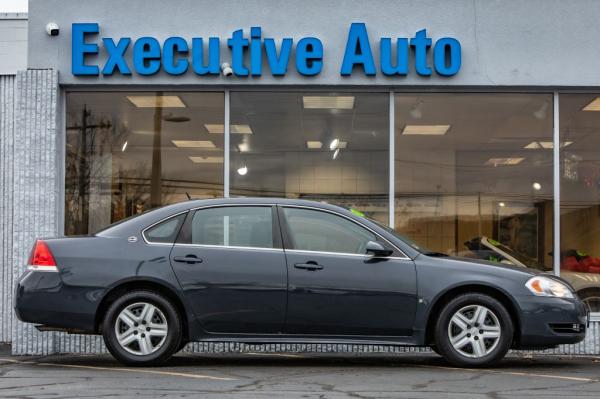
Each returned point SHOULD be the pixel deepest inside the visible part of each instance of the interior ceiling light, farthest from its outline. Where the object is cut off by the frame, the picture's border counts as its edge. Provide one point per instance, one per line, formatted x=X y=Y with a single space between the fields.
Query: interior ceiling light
x=328 y=102
x=124 y=147
x=243 y=147
x=536 y=186
x=425 y=130
x=336 y=153
x=334 y=144
x=193 y=143
x=206 y=159
x=501 y=204
x=156 y=101
x=542 y=111
x=504 y=161
x=243 y=170
x=234 y=129
x=594 y=105
x=534 y=145
x=314 y=145
x=416 y=112
x=548 y=145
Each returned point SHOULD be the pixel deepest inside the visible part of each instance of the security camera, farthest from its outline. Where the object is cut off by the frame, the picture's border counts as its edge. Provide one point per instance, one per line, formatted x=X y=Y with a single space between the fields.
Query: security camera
x=52 y=29
x=226 y=69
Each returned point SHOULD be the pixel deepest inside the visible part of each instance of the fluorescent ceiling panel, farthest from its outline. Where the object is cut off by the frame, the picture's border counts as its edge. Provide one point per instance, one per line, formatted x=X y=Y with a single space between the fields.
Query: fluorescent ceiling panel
x=425 y=130
x=314 y=145
x=328 y=102
x=594 y=105
x=235 y=129
x=156 y=101
x=548 y=145
x=534 y=145
x=504 y=161
x=193 y=143
x=206 y=159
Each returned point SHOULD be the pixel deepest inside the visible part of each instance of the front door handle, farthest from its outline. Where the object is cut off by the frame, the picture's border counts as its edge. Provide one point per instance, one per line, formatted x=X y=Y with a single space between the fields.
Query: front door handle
x=311 y=265
x=189 y=259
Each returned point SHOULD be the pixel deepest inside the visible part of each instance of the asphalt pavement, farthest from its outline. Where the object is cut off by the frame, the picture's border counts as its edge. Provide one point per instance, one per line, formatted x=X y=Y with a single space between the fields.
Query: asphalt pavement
x=257 y=375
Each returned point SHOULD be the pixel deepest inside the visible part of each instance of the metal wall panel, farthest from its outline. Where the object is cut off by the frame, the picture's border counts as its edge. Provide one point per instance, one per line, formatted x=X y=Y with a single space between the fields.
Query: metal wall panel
x=7 y=132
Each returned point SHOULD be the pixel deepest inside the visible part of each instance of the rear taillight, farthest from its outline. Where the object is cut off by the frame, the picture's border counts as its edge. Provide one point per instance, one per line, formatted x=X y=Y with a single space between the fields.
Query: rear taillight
x=41 y=258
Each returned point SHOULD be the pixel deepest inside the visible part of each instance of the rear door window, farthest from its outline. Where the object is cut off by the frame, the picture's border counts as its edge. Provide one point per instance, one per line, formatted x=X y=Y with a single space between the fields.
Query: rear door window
x=234 y=226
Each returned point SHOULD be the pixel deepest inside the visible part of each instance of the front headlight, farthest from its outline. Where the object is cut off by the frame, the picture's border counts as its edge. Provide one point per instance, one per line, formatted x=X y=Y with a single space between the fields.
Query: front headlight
x=544 y=286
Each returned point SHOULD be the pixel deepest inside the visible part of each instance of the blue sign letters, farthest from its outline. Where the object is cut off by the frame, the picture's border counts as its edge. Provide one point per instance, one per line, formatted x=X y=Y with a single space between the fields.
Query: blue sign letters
x=147 y=56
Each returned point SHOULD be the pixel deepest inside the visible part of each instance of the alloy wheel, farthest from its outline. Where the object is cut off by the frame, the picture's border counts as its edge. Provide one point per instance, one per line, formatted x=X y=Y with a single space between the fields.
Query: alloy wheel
x=141 y=328
x=474 y=331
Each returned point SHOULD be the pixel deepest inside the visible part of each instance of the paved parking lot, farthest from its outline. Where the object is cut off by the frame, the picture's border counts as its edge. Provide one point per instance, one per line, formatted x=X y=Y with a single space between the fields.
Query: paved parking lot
x=298 y=376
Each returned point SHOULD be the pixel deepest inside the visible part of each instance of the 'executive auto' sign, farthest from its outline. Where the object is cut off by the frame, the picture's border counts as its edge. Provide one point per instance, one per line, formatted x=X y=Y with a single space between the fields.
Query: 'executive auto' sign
x=177 y=56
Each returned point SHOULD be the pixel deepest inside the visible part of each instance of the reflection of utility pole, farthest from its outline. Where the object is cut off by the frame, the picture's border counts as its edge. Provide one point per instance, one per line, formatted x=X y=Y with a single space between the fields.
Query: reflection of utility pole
x=85 y=153
x=83 y=174
x=479 y=229
x=156 y=179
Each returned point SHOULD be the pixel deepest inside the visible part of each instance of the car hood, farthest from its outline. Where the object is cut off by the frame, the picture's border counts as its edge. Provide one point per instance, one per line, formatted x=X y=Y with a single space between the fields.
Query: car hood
x=485 y=265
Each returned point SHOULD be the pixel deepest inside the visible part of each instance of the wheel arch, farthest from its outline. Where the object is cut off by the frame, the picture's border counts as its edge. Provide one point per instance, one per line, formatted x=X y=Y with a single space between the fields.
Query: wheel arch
x=583 y=293
x=151 y=285
x=479 y=288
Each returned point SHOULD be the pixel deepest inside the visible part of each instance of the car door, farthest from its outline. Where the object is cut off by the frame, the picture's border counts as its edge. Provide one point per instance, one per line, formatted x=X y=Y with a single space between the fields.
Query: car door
x=231 y=266
x=335 y=288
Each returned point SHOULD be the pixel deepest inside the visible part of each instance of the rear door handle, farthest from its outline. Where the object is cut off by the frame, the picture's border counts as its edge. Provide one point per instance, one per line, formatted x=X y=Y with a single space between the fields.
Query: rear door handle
x=308 y=266
x=190 y=259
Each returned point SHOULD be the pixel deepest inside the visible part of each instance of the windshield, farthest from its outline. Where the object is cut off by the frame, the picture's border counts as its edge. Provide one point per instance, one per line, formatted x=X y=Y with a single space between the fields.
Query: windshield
x=524 y=260
x=402 y=237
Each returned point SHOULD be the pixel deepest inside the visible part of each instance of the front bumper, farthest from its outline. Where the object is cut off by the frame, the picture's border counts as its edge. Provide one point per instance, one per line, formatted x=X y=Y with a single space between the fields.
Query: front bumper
x=42 y=298
x=548 y=322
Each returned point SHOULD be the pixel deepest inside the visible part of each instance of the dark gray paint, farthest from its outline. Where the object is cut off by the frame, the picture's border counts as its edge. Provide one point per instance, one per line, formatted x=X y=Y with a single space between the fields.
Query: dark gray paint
x=243 y=297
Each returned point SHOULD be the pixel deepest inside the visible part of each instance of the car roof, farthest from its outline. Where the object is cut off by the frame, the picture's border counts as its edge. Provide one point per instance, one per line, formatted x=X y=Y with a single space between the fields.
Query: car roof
x=134 y=225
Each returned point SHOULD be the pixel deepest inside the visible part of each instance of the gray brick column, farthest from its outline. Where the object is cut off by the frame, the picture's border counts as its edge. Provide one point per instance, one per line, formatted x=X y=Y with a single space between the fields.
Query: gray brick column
x=36 y=184
x=7 y=132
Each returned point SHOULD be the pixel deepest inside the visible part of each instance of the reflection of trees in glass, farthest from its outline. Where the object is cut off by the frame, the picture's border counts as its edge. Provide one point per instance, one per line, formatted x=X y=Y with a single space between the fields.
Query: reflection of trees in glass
x=91 y=141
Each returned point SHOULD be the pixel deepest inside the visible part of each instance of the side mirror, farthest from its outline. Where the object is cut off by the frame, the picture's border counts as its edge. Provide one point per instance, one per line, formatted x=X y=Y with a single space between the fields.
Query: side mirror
x=376 y=248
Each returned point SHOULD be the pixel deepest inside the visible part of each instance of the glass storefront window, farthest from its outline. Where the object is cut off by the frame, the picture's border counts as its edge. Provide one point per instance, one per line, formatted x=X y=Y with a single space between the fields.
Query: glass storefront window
x=127 y=152
x=580 y=194
x=473 y=175
x=320 y=146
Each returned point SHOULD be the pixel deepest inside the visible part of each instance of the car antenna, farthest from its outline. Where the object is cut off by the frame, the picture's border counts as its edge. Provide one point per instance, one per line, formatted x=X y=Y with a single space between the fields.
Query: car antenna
x=188 y=195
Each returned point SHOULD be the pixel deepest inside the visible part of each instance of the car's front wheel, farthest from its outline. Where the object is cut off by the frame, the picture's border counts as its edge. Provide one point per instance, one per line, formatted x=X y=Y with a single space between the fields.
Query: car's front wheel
x=142 y=328
x=473 y=330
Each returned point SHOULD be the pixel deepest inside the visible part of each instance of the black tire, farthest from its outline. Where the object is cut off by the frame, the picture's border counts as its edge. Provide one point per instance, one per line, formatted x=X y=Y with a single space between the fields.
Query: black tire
x=453 y=355
x=164 y=351
x=182 y=345
x=435 y=349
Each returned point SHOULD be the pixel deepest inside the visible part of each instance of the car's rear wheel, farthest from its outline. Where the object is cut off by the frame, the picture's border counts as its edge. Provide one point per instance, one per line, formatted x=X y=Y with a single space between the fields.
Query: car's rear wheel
x=142 y=328
x=473 y=330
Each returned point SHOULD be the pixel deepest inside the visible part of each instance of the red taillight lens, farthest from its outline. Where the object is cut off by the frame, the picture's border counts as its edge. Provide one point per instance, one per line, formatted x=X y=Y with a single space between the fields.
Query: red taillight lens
x=41 y=257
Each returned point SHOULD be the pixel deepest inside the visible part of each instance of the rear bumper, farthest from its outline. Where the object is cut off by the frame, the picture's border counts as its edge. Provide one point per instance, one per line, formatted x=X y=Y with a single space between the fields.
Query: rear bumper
x=548 y=322
x=42 y=298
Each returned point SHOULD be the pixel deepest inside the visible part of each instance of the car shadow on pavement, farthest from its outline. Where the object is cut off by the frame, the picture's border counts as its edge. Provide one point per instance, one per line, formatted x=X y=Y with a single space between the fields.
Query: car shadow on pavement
x=541 y=363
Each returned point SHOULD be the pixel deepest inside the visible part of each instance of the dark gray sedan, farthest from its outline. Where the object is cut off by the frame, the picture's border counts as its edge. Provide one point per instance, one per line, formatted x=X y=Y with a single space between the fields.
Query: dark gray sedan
x=285 y=271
